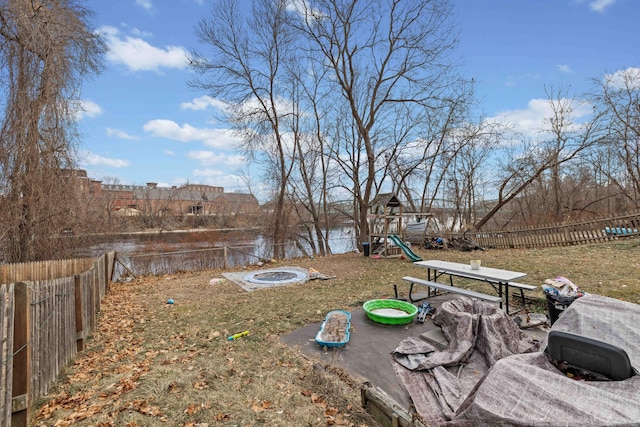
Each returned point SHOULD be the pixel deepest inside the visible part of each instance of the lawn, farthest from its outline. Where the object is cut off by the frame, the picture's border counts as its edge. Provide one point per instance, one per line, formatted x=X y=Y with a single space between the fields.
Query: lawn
x=151 y=363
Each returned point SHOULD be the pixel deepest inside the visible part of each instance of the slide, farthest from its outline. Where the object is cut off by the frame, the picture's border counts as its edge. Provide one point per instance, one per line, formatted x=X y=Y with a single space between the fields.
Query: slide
x=407 y=251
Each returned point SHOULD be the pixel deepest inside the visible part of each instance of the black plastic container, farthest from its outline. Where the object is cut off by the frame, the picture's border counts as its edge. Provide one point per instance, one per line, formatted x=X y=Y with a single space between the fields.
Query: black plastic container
x=365 y=248
x=556 y=308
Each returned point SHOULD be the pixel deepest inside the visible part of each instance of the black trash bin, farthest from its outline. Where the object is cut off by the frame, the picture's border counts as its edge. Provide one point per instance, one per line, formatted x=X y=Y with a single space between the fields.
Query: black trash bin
x=365 y=248
x=557 y=305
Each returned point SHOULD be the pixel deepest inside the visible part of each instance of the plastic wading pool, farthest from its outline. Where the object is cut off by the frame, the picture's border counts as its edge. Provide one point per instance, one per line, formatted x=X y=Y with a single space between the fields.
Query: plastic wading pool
x=390 y=311
x=334 y=331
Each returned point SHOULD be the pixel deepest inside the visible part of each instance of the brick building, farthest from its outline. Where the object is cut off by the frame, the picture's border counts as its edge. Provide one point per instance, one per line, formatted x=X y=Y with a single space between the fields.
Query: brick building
x=150 y=199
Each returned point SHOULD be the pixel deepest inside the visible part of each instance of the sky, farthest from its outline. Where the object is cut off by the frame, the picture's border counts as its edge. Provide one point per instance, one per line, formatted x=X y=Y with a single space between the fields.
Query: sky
x=141 y=122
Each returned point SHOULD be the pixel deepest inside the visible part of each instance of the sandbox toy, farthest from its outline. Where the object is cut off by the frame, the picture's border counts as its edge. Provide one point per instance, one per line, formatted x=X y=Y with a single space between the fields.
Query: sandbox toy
x=334 y=331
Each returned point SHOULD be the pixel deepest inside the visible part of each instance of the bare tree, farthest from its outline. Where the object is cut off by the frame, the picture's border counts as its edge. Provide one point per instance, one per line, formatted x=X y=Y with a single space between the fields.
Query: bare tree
x=246 y=68
x=390 y=61
x=47 y=48
x=308 y=184
x=564 y=141
x=617 y=97
x=468 y=170
x=421 y=169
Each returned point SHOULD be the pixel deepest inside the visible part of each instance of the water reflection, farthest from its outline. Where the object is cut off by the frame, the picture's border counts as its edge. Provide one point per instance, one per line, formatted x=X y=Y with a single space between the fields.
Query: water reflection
x=341 y=241
x=168 y=252
x=144 y=243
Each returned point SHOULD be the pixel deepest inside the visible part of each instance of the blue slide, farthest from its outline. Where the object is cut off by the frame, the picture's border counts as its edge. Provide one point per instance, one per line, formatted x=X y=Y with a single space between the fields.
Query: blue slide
x=407 y=251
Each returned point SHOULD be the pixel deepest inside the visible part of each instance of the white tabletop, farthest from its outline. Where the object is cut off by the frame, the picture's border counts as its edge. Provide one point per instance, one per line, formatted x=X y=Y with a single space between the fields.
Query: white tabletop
x=484 y=273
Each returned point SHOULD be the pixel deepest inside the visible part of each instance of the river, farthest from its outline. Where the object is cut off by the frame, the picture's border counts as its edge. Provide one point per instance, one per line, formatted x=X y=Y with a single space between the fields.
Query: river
x=341 y=240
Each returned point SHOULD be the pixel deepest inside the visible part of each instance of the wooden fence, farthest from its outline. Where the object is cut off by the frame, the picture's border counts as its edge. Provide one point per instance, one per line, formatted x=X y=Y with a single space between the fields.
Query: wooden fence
x=595 y=231
x=47 y=310
x=198 y=259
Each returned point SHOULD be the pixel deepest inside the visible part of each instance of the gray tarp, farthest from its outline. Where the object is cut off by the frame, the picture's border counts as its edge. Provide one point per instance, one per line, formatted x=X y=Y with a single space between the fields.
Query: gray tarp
x=481 y=379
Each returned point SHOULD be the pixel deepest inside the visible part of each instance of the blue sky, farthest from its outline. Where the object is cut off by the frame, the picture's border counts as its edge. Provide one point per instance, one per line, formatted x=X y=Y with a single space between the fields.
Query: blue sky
x=142 y=122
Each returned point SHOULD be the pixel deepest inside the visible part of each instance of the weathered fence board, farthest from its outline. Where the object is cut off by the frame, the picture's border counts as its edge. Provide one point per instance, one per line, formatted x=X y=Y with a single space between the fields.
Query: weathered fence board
x=43 y=324
x=197 y=259
x=20 y=394
x=7 y=302
x=44 y=270
x=595 y=231
x=52 y=332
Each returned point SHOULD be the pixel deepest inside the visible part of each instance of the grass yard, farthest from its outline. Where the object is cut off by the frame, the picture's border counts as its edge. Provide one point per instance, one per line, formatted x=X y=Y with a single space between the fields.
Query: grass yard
x=154 y=364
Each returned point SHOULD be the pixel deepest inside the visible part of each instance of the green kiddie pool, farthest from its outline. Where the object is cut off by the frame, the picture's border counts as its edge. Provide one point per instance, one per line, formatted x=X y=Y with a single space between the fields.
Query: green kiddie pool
x=390 y=311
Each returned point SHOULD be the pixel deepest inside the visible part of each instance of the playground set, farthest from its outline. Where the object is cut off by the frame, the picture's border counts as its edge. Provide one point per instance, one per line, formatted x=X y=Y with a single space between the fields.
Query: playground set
x=386 y=238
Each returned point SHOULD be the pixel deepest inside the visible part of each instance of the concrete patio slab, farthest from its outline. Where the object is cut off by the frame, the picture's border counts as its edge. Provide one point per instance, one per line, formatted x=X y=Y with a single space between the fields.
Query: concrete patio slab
x=367 y=355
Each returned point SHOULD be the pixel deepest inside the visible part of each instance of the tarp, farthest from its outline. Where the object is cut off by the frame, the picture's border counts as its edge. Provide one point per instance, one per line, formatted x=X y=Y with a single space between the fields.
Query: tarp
x=492 y=374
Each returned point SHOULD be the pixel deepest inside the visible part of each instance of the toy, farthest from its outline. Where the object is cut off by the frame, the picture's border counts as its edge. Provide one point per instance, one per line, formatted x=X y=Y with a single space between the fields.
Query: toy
x=334 y=331
x=238 y=335
x=423 y=311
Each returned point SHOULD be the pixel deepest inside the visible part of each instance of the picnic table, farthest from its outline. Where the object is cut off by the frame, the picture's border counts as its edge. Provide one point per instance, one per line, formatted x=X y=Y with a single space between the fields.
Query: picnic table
x=500 y=280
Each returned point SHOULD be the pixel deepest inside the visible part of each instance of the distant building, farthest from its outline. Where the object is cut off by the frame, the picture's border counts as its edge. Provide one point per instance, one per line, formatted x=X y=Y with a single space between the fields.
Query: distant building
x=149 y=199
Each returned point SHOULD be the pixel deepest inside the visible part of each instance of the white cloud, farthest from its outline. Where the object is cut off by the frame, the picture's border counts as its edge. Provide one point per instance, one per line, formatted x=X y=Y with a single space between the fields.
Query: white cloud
x=236 y=160
x=209 y=158
x=120 y=134
x=564 y=68
x=145 y=4
x=86 y=108
x=254 y=107
x=139 y=33
x=204 y=102
x=531 y=121
x=206 y=158
x=600 y=5
x=302 y=8
x=218 y=178
x=215 y=138
x=629 y=78
x=208 y=173
x=169 y=153
x=96 y=160
x=138 y=55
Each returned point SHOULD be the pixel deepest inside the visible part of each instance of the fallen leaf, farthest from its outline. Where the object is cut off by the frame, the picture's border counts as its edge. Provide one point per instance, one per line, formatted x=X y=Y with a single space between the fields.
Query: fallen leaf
x=192 y=409
x=331 y=412
x=222 y=417
x=200 y=385
x=143 y=407
x=173 y=387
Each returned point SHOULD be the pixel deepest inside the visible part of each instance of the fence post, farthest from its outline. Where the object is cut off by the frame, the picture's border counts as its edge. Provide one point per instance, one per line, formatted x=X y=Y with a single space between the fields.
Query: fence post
x=105 y=257
x=91 y=297
x=22 y=356
x=96 y=288
x=79 y=313
x=224 y=256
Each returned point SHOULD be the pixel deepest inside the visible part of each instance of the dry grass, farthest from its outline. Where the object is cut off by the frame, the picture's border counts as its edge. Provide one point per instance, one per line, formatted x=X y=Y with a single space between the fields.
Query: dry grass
x=150 y=363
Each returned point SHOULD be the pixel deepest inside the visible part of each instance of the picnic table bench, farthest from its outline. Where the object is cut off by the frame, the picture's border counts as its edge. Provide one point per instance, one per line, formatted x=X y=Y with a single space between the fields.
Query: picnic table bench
x=447 y=288
x=500 y=280
x=519 y=286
